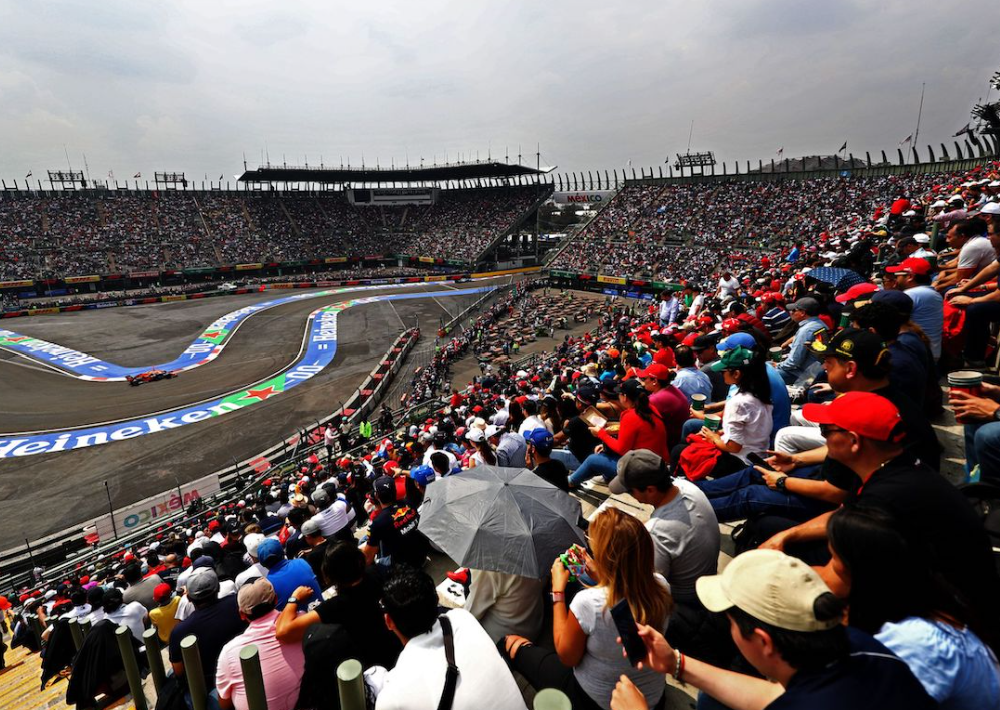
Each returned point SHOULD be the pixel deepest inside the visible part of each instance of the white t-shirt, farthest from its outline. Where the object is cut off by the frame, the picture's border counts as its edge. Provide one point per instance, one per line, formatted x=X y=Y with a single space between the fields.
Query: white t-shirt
x=603 y=663
x=747 y=421
x=728 y=288
x=333 y=519
x=976 y=254
x=418 y=678
x=530 y=423
x=132 y=615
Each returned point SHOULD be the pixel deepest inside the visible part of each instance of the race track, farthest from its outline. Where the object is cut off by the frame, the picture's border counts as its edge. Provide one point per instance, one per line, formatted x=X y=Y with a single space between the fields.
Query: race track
x=69 y=485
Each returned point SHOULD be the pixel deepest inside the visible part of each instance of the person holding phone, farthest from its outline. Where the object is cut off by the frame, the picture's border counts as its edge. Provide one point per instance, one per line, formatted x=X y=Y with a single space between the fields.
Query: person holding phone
x=587 y=661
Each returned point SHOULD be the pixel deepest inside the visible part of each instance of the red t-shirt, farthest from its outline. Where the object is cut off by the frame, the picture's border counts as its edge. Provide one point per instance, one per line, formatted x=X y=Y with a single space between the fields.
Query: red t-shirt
x=637 y=433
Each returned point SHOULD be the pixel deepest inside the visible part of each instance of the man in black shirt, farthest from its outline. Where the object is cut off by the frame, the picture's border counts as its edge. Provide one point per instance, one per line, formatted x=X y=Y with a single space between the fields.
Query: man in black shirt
x=576 y=432
x=540 y=443
x=313 y=535
x=393 y=535
x=865 y=432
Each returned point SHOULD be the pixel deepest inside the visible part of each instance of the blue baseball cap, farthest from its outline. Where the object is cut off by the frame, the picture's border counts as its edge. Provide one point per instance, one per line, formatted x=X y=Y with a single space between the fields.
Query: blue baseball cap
x=737 y=340
x=540 y=437
x=269 y=552
x=422 y=475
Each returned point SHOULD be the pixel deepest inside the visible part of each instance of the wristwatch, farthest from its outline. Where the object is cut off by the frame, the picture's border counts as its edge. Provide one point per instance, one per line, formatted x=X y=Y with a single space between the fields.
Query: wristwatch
x=558 y=597
x=292 y=600
x=780 y=483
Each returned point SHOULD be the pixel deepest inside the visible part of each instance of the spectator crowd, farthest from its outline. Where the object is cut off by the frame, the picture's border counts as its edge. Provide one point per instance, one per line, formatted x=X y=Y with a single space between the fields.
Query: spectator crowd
x=793 y=391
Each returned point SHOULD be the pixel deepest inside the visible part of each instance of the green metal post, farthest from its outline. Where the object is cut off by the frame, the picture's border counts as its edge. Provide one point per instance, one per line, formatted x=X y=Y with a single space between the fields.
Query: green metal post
x=85 y=626
x=351 y=685
x=253 y=678
x=77 y=633
x=193 y=672
x=151 y=639
x=124 y=637
x=551 y=699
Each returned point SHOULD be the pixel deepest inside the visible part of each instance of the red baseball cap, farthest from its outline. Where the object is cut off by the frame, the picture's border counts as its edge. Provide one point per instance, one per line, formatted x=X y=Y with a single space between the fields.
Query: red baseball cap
x=864 y=413
x=161 y=592
x=730 y=325
x=912 y=265
x=665 y=356
x=691 y=337
x=858 y=290
x=655 y=369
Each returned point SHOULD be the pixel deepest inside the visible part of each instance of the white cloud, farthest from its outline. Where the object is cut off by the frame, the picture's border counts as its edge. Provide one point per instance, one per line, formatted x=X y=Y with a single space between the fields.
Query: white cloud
x=191 y=85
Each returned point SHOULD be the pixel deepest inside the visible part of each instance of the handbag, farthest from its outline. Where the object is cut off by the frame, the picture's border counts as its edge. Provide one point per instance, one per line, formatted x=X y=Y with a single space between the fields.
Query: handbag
x=451 y=674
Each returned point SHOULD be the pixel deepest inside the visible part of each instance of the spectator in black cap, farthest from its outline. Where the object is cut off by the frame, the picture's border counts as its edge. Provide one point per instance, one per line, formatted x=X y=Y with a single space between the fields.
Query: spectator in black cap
x=575 y=434
x=394 y=537
x=704 y=350
x=214 y=622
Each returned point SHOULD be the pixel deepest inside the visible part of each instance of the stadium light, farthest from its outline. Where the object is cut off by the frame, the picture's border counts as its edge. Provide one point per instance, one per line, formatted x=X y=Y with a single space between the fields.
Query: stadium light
x=66 y=179
x=695 y=162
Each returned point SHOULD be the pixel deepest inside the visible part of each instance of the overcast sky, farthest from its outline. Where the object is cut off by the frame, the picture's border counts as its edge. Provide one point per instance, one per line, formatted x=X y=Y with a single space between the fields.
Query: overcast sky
x=190 y=86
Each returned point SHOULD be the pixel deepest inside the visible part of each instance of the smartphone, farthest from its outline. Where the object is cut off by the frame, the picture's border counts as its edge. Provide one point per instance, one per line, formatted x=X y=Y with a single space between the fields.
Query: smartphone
x=635 y=649
x=758 y=460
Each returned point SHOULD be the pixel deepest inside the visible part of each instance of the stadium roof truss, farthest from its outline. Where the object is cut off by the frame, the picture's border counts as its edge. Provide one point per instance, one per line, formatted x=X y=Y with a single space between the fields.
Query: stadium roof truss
x=436 y=174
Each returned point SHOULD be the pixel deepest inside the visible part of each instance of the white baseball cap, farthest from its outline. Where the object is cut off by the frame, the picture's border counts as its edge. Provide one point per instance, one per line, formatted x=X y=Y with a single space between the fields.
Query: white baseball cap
x=770 y=586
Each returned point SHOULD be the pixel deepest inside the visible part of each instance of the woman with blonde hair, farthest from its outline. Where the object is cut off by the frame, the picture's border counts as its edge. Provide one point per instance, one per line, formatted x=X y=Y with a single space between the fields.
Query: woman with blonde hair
x=587 y=661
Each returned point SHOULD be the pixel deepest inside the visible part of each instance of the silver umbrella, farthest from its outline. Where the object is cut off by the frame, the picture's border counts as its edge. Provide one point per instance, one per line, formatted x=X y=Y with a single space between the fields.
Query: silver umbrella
x=500 y=519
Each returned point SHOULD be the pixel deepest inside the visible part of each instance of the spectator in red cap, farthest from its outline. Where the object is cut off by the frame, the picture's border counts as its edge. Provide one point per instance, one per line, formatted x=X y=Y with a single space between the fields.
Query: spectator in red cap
x=913 y=278
x=865 y=433
x=163 y=614
x=669 y=402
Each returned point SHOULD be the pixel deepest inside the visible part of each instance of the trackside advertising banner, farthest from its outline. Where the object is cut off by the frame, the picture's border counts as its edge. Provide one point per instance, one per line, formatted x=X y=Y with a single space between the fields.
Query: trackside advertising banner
x=159 y=506
x=321 y=347
x=593 y=197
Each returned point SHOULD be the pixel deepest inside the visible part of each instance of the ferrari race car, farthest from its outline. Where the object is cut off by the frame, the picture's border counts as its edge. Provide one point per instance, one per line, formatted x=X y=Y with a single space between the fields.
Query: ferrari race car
x=151 y=376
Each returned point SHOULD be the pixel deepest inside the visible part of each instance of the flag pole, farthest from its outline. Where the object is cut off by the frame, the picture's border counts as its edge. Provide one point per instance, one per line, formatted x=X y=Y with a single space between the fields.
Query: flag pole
x=916 y=133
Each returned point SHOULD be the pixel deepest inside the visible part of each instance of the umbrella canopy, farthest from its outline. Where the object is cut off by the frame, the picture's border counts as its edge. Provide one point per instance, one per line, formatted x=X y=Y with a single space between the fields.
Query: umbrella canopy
x=500 y=519
x=840 y=279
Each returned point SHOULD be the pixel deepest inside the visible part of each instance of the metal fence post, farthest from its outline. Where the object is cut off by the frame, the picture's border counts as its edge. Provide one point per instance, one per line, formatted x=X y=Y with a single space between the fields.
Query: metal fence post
x=253 y=678
x=77 y=633
x=351 y=685
x=151 y=638
x=124 y=636
x=85 y=626
x=551 y=699
x=193 y=672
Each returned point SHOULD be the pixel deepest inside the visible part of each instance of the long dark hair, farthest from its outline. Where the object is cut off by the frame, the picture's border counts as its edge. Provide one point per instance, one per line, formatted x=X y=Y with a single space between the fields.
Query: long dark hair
x=636 y=394
x=891 y=578
x=754 y=378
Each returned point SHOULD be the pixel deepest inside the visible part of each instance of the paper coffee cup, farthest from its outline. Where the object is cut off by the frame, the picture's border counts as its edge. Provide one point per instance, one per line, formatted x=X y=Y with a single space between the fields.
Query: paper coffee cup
x=698 y=402
x=775 y=354
x=713 y=422
x=968 y=381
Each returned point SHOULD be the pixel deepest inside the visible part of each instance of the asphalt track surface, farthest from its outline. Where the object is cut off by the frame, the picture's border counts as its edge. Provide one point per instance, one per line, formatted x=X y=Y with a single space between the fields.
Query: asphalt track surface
x=46 y=493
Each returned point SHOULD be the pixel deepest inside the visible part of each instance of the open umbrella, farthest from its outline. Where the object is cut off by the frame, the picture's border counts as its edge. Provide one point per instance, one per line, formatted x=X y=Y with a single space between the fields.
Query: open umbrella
x=840 y=279
x=500 y=519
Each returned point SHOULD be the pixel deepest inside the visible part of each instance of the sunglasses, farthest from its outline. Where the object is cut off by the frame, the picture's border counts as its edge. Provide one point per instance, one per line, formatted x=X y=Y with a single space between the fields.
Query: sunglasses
x=827 y=429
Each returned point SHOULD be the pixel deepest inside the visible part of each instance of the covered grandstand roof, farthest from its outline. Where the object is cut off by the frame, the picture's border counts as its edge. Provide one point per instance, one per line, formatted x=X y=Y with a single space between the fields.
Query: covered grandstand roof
x=369 y=175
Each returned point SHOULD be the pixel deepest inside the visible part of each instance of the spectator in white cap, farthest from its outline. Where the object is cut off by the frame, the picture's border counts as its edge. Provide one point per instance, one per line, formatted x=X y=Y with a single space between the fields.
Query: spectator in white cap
x=789 y=626
x=256 y=569
x=484 y=450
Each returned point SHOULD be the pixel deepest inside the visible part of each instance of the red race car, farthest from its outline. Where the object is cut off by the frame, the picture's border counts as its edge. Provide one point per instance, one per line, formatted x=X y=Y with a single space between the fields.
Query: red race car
x=151 y=376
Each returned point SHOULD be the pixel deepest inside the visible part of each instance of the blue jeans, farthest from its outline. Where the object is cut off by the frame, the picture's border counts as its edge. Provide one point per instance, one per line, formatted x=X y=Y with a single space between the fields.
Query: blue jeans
x=604 y=464
x=569 y=460
x=982 y=446
x=691 y=426
x=743 y=494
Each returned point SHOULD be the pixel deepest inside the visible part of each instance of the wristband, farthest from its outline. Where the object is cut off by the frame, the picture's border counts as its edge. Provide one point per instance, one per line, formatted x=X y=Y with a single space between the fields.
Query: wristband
x=678 y=665
x=558 y=597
